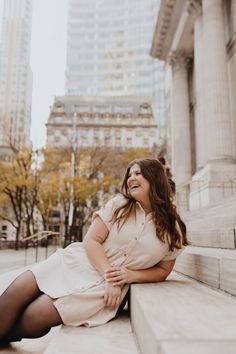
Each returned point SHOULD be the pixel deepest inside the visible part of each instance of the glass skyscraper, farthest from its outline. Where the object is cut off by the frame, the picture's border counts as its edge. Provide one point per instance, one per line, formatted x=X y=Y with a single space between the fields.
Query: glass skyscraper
x=108 y=50
x=15 y=73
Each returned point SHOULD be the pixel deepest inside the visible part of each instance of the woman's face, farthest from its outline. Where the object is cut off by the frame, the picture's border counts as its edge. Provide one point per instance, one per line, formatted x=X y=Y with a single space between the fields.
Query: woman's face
x=138 y=186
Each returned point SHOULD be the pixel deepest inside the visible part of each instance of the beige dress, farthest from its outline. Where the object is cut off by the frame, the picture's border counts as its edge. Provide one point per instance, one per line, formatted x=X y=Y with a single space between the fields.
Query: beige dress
x=78 y=288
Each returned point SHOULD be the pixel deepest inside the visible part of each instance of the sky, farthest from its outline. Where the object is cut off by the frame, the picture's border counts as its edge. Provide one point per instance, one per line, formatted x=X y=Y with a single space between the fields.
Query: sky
x=48 y=61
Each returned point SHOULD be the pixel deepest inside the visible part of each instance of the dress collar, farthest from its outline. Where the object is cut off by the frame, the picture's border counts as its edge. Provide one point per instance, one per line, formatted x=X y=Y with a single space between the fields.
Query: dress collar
x=147 y=216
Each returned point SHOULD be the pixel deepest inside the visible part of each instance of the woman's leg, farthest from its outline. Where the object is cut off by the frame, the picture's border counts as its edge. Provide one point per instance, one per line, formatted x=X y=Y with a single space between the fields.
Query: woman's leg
x=36 y=320
x=21 y=292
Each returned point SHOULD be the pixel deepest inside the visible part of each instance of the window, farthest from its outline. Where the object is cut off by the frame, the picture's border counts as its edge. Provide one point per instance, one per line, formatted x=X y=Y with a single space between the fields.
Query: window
x=129 y=142
x=58 y=120
x=57 y=139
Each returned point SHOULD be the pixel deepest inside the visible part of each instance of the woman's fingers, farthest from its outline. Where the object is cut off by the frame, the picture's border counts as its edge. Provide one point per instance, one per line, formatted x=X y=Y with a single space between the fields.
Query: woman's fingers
x=115 y=278
x=112 y=301
x=112 y=271
x=112 y=295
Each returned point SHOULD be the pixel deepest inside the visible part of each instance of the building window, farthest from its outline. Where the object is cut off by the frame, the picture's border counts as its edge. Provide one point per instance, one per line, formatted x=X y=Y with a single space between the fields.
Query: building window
x=129 y=142
x=118 y=141
x=57 y=139
x=58 y=120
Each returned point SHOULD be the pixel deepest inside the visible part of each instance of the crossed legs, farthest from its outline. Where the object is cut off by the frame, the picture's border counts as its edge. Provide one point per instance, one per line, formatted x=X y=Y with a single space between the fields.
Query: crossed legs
x=25 y=312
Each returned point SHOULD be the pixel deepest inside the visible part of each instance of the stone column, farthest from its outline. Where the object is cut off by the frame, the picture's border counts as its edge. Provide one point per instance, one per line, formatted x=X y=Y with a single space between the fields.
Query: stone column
x=217 y=106
x=216 y=180
x=195 y=10
x=180 y=125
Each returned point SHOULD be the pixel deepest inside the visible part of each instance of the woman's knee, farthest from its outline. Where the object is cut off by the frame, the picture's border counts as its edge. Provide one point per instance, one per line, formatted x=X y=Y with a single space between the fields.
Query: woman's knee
x=25 y=283
x=42 y=312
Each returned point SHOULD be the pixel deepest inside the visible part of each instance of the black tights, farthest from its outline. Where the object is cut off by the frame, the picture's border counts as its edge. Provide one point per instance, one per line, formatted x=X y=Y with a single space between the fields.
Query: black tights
x=25 y=312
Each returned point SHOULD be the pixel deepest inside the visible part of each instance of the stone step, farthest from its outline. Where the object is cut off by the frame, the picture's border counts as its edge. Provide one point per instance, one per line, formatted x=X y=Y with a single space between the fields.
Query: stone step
x=211 y=223
x=223 y=207
x=182 y=316
x=114 y=337
x=222 y=215
x=216 y=238
x=215 y=267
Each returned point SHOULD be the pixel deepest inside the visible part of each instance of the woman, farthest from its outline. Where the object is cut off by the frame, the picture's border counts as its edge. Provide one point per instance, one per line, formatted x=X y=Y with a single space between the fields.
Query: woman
x=134 y=238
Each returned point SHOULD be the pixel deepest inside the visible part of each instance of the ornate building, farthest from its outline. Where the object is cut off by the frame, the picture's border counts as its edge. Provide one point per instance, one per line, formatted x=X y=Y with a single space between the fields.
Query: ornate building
x=88 y=121
x=196 y=39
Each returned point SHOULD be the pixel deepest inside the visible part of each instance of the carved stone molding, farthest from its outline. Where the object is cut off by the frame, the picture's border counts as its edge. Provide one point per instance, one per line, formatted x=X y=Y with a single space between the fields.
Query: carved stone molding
x=194 y=7
x=179 y=60
x=164 y=21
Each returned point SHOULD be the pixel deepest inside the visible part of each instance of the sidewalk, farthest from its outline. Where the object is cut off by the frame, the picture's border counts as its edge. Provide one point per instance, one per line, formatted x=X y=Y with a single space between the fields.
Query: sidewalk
x=13 y=263
x=11 y=259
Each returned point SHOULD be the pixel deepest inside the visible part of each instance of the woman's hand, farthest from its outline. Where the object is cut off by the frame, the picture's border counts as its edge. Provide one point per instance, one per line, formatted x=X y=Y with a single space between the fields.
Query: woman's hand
x=112 y=295
x=119 y=276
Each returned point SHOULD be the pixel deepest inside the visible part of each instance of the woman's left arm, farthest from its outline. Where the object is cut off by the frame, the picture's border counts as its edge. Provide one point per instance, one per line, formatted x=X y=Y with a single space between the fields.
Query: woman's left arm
x=121 y=275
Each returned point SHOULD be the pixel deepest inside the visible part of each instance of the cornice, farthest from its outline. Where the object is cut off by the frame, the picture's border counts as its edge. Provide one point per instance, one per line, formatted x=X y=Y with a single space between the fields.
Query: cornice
x=194 y=7
x=162 y=26
x=109 y=125
x=174 y=27
x=179 y=60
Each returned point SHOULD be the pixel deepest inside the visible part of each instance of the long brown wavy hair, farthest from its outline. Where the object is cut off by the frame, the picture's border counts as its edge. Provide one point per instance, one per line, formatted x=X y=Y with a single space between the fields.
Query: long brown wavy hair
x=169 y=226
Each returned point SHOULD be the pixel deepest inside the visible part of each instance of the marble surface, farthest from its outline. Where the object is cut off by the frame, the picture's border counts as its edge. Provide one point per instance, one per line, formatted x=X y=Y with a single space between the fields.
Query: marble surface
x=212 y=266
x=115 y=337
x=183 y=316
x=219 y=238
x=228 y=275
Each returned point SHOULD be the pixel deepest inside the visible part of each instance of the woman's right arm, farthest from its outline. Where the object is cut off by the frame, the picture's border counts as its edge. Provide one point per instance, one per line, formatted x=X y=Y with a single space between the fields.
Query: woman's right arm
x=96 y=235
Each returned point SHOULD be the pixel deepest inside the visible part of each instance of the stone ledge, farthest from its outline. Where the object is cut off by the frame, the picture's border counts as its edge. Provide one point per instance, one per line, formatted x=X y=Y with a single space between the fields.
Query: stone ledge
x=182 y=316
x=114 y=337
x=219 y=238
x=215 y=267
x=218 y=216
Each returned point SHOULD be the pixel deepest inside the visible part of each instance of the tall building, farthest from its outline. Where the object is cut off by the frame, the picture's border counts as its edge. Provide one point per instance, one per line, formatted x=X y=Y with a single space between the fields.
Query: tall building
x=108 y=50
x=15 y=73
x=90 y=121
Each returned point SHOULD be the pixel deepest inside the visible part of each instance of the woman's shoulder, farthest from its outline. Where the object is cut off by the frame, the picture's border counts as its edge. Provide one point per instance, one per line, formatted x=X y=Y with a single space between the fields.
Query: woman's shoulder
x=115 y=202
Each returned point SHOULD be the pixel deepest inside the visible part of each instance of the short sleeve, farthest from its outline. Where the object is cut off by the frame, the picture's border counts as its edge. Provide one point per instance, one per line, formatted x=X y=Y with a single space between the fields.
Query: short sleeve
x=107 y=211
x=173 y=254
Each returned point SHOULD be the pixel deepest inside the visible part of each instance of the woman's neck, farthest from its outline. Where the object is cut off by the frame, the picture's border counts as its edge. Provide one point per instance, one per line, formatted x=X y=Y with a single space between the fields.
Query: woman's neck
x=146 y=207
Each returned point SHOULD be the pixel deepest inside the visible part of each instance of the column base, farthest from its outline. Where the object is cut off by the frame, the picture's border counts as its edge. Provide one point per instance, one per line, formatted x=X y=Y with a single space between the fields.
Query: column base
x=182 y=198
x=211 y=184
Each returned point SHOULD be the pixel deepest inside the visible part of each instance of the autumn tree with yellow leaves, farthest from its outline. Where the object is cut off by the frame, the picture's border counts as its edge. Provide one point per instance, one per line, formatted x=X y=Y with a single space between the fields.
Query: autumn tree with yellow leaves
x=18 y=190
x=47 y=180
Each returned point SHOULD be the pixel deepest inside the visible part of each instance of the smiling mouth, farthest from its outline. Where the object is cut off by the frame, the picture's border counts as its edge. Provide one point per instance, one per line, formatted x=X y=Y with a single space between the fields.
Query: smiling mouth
x=134 y=187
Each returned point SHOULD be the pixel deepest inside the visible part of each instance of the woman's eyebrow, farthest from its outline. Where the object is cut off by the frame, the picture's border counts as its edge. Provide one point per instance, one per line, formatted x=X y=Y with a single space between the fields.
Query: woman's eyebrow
x=137 y=171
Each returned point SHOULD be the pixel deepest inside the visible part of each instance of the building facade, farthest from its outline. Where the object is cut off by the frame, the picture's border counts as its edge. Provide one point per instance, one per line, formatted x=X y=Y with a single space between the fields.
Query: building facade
x=15 y=73
x=108 y=50
x=90 y=121
x=196 y=39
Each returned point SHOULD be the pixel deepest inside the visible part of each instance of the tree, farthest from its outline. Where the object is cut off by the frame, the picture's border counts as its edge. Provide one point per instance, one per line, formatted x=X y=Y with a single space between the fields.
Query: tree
x=48 y=196
x=18 y=187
